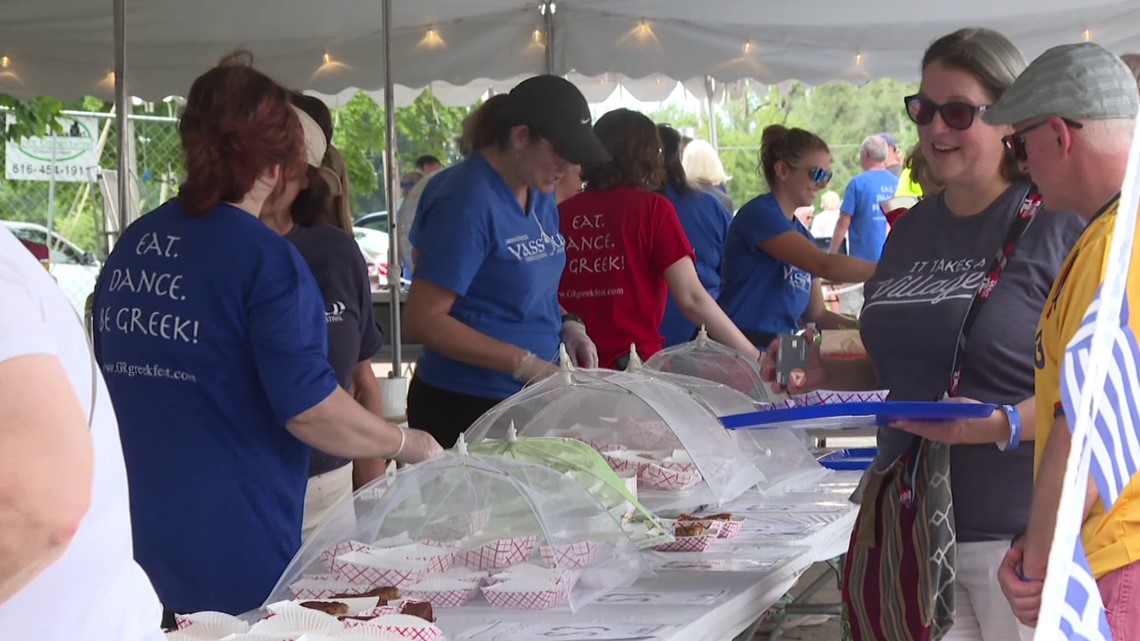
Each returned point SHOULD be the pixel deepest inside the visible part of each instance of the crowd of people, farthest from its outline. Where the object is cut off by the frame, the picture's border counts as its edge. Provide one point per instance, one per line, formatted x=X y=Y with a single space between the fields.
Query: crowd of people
x=230 y=385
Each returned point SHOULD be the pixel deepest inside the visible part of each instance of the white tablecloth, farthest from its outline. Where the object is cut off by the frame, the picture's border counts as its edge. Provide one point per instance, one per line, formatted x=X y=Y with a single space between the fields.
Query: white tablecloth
x=782 y=537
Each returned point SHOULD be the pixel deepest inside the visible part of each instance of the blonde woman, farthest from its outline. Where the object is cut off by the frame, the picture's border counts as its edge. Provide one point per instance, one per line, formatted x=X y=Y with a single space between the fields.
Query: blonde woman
x=703 y=166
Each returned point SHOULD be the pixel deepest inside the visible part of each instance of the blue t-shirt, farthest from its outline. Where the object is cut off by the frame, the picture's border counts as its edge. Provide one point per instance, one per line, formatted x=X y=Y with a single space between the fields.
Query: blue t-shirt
x=211 y=334
x=759 y=292
x=705 y=221
x=503 y=264
x=416 y=232
x=868 y=230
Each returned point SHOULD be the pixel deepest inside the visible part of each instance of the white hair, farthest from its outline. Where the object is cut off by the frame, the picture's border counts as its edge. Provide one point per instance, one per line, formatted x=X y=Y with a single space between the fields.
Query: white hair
x=1108 y=136
x=830 y=201
x=875 y=147
x=702 y=163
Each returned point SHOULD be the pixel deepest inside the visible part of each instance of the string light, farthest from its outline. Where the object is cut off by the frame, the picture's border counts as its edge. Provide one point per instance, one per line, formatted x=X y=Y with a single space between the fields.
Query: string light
x=537 y=36
x=643 y=29
x=4 y=62
x=432 y=38
x=747 y=47
x=1088 y=34
x=327 y=58
x=110 y=77
x=858 y=57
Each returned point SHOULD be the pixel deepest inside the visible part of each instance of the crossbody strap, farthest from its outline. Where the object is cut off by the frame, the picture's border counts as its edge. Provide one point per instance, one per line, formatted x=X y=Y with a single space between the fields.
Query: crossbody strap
x=1030 y=205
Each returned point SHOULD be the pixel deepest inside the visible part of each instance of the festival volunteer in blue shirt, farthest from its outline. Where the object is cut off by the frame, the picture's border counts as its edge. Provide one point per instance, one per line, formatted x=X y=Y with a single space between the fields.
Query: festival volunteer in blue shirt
x=867 y=229
x=484 y=299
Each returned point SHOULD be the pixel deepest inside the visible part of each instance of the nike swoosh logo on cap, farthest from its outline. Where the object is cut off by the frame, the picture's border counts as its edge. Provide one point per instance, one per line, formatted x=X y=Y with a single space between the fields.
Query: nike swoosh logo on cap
x=585 y=121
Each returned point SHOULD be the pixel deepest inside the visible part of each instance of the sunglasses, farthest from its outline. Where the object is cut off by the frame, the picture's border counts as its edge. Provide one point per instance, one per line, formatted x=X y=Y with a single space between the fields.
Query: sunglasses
x=1015 y=142
x=817 y=174
x=956 y=114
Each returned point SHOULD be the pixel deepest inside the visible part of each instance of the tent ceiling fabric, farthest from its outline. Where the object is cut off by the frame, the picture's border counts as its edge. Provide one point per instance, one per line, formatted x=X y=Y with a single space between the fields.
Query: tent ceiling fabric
x=64 y=47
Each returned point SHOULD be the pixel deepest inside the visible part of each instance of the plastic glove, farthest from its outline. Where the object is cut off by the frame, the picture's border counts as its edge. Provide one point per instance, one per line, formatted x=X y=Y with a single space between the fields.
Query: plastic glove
x=582 y=351
x=418 y=446
x=532 y=369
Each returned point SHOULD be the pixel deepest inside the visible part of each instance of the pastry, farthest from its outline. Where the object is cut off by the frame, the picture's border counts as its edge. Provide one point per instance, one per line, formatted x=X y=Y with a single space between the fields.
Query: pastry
x=421 y=609
x=384 y=594
x=723 y=516
x=689 y=529
x=335 y=608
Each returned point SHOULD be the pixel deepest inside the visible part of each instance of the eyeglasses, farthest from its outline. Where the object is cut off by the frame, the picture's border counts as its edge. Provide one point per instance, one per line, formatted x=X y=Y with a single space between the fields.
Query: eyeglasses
x=956 y=114
x=1015 y=142
x=818 y=175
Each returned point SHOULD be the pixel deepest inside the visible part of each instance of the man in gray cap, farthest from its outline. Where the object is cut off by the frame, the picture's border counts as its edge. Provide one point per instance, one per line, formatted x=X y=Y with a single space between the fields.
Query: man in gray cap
x=1073 y=112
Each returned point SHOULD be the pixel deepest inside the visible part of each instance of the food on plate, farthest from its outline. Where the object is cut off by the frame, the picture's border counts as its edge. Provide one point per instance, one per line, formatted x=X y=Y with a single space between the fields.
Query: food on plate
x=385 y=593
x=335 y=608
x=421 y=609
x=723 y=516
x=689 y=529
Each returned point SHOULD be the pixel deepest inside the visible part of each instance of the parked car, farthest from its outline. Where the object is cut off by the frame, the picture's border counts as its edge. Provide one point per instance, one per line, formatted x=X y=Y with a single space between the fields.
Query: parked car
x=74 y=269
x=377 y=220
x=374 y=246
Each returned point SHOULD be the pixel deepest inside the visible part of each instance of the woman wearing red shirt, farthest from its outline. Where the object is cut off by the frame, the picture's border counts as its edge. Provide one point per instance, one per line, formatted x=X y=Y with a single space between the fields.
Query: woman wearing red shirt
x=625 y=249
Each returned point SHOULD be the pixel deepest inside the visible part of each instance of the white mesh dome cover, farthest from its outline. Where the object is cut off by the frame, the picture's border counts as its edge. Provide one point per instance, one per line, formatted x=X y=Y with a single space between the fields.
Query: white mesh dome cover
x=710 y=360
x=681 y=455
x=509 y=532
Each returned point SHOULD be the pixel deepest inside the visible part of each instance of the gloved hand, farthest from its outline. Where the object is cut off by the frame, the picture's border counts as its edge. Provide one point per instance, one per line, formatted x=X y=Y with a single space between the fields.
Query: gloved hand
x=418 y=446
x=582 y=351
x=531 y=369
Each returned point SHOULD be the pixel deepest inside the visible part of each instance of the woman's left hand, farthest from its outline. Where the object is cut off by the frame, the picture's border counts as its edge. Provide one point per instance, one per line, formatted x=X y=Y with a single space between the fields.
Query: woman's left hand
x=959 y=431
x=582 y=351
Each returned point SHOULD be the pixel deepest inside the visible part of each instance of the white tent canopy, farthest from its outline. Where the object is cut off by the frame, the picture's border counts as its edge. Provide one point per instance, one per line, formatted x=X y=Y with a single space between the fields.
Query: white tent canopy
x=65 y=47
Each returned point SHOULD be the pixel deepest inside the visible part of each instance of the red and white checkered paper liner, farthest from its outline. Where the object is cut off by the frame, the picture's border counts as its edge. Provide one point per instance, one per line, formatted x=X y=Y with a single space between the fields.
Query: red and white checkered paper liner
x=712 y=525
x=621 y=462
x=402 y=625
x=503 y=596
x=688 y=543
x=444 y=593
x=571 y=556
x=731 y=528
x=456 y=527
x=437 y=562
x=500 y=553
x=344 y=547
x=323 y=586
x=650 y=434
x=372 y=574
x=830 y=397
x=669 y=476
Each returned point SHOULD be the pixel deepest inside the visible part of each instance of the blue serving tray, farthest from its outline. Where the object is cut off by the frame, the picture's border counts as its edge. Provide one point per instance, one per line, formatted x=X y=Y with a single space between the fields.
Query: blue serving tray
x=856 y=415
x=856 y=458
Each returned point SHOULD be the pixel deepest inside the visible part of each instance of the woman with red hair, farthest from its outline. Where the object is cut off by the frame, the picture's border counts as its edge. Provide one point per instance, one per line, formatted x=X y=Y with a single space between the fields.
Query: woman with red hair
x=211 y=332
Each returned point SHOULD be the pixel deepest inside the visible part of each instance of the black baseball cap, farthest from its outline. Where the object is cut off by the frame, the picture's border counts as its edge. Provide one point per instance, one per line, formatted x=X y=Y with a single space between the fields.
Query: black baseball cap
x=554 y=109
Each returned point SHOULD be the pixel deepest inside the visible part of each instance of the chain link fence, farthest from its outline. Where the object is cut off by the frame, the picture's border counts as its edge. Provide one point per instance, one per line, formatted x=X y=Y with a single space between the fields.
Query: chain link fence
x=75 y=213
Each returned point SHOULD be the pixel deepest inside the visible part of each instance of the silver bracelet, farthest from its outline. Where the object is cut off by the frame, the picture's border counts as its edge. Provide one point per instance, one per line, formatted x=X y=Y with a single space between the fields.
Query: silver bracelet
x=403 y=442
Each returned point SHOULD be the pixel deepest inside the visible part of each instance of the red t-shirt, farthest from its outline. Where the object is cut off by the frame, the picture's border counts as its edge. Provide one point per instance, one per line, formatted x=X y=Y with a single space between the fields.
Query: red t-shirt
x=619 y=242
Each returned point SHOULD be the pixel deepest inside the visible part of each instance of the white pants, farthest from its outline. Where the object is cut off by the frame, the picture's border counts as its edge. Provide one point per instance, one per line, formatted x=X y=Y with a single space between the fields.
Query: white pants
x=323 y=494
x=982 y=613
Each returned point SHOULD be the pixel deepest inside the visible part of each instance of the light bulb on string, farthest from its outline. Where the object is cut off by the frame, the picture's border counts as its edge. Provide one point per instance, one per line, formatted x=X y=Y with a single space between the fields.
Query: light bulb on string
x=326 y=58
x=1087 y=34
x=747 y=47
x=432 y=39
x=858 y=58
x=537 y=36
x=5 y=61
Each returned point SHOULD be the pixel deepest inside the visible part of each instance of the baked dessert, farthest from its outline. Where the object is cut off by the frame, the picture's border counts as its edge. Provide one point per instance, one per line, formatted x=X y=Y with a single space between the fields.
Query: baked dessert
x=689 y=529
x=384 y=594
x=421 y=609
x=723 y=516
x=335 y=608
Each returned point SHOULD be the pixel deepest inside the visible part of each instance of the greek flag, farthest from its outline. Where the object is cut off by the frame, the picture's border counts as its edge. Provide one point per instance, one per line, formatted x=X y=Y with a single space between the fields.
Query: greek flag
x=1100 y=389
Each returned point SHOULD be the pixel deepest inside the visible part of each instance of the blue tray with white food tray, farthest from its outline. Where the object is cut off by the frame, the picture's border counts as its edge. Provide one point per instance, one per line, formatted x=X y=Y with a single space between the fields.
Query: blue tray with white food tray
x=855 y=458
x=856 y=415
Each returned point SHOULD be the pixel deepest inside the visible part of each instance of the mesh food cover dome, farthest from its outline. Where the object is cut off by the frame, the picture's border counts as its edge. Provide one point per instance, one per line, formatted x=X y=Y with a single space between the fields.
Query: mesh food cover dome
x=585 y=465
x=710 y=360
x=466 y=527
x=645 y=427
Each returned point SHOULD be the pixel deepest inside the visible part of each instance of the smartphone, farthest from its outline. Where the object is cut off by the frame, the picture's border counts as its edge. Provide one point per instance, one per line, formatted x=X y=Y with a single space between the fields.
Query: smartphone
x=793 y=359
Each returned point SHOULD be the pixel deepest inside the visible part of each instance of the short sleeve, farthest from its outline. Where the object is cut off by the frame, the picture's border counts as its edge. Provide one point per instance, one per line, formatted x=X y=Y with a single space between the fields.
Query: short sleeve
x=764 y=222
x=371 y=338
x=1078 y=292
x=454 y=241
x=850 y=198
x=23 y=329
x=288 y=333
x=670 y=244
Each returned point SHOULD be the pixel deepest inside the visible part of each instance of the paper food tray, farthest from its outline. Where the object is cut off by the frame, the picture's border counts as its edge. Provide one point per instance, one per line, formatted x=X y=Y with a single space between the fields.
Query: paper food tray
x=374 y=571
x=572 y=555
x=689 y=543
x=404 y=625
x=524 y=595
x=444 y=593
x=669 y=477
x=500 y=553
x=355 y=605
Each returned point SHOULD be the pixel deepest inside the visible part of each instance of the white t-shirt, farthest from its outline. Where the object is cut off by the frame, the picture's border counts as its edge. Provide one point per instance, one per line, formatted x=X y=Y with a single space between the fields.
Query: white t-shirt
x=95 y=590
x=823 y=225
x=407 y=216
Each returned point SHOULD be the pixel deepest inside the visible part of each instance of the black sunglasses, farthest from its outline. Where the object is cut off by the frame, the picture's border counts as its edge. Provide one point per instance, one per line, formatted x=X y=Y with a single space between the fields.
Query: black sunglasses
x=817 y=174
x=1015 y=142
x=956 y=114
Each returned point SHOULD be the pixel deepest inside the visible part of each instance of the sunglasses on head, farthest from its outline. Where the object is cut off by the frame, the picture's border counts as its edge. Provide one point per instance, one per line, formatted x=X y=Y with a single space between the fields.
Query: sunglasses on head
x=1015 y=142
x=956 y=114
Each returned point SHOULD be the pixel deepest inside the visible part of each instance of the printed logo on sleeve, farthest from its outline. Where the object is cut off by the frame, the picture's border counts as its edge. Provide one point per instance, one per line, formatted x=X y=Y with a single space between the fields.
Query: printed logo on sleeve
x=335 y=312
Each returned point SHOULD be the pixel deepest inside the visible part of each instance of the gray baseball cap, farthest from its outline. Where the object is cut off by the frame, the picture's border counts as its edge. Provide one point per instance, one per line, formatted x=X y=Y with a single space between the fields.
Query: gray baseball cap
x=1079 y=81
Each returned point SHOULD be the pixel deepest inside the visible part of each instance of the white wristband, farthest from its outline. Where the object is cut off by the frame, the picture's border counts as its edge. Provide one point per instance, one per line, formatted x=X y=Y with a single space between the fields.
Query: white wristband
x=520 y=373
x=403 y=442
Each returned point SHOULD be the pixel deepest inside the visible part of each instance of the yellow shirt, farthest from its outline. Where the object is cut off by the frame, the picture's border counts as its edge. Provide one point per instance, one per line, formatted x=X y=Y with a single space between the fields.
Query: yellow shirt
x=907 y=185
x=1111 y=540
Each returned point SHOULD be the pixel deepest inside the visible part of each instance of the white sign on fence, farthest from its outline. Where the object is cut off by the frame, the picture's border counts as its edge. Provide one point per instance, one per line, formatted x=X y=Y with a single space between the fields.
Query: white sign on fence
x=73 y=151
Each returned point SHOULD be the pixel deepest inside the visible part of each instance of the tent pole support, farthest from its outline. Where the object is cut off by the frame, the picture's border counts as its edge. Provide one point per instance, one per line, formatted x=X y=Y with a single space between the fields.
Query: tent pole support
x=122 y=105
x=714 y=138
x=392 y=174
x=548 y=35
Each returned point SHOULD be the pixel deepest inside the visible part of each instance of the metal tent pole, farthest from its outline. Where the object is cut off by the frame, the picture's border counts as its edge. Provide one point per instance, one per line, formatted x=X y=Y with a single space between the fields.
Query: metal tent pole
x=713 y=135
x=122 y=104
x=393 y=186
x=547 y=9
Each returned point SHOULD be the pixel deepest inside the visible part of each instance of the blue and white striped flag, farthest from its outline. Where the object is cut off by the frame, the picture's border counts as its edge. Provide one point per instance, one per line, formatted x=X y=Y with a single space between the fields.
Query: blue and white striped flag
x=1100 y=389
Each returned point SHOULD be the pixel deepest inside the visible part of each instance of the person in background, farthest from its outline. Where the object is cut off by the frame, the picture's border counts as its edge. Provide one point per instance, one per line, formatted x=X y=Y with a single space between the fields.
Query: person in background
x=916 y=308
x=484 y=300
x=705 y=221
x=895 y=159
x=626 y=249
x=569 y=185
x=212 y=334
x=298 y=213
x=1072 y=113
x=771 y=268
x=917 y=180
x=428 y=164
x=703 y=166
x=409 y=180
x=64 y=517
x=823 y=223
